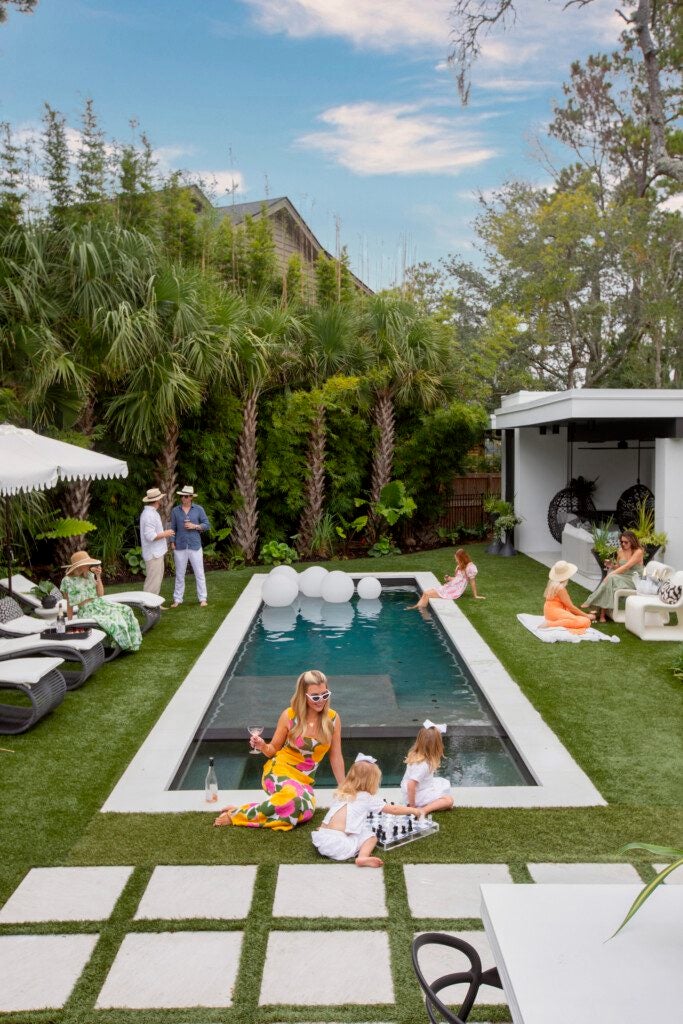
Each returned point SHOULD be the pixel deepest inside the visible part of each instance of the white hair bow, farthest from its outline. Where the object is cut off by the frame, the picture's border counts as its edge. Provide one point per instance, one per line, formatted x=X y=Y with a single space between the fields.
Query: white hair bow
x=428 y=724
x=365 y=757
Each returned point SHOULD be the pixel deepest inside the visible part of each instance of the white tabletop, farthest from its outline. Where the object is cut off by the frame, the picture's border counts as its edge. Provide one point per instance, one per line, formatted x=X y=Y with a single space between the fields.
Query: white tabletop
x=550 y=945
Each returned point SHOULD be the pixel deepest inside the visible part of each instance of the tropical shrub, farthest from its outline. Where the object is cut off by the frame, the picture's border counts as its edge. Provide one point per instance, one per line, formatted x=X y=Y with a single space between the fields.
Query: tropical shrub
x=135 y=560
x=277 y=553
x=382 y=547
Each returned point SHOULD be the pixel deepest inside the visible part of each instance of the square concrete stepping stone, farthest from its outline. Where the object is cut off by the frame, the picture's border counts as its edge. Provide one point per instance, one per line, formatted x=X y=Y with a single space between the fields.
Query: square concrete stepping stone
x=65 y=894
x=221 y=892
x=584 y=874
x=357 y=968
x=450 y=890
x=675 y=878
x=436 y=961
x=332 y=890
x=38 y=972
x=173 y=970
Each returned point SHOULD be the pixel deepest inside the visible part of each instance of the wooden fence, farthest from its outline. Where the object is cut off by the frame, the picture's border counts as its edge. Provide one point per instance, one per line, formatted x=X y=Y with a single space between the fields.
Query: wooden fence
x=465 y=506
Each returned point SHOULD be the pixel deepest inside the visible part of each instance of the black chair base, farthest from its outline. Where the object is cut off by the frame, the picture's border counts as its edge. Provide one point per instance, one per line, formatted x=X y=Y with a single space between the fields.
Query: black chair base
x=86 y=662
x=45 y=695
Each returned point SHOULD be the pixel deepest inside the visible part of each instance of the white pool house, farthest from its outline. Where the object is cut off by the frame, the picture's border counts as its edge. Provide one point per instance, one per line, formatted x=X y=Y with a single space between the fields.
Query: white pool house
x=619 y=438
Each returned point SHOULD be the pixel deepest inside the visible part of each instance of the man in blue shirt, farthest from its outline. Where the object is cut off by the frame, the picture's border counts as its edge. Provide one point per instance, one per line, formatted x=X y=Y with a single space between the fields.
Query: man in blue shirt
x=188 y=521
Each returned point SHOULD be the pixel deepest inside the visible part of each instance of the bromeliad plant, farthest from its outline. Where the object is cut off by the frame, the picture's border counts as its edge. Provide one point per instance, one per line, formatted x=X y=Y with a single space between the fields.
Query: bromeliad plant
x=646 y=892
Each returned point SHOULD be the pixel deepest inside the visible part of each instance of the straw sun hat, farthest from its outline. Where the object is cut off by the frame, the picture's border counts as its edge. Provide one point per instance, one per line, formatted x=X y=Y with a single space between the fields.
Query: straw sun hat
x=153 y=494
x=562 y=571
x=79 y=560
x=187 y=492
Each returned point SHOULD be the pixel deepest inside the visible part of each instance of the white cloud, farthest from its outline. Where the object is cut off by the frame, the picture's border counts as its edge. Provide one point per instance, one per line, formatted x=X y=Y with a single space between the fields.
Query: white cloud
x=542 y=31
x=219 y=184
x=513 y=85
x=368 y=24
x=375 y=138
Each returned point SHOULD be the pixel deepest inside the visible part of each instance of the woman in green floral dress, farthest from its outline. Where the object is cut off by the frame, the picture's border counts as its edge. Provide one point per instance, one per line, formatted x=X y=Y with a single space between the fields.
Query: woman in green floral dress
x=84 y=588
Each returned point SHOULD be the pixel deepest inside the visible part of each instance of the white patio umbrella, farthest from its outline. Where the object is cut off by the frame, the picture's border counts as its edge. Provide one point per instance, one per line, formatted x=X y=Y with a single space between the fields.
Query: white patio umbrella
x=31 y=462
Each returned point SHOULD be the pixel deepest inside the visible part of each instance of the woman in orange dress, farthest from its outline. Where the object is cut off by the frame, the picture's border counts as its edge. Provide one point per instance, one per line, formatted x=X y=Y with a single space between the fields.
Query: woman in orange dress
x=558 y=608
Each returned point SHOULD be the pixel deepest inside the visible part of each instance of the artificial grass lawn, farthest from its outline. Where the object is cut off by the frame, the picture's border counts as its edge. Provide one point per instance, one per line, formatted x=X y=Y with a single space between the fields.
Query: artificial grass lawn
x=615 y=707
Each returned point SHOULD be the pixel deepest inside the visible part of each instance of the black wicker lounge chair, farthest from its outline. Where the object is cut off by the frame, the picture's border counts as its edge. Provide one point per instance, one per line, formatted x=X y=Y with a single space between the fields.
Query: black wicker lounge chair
x=20 y=638
x=41 y=681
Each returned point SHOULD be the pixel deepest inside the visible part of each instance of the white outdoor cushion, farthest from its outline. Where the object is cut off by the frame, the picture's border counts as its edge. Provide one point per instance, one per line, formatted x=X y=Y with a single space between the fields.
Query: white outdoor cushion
x=35 y=643
x=25 y=624
x=138 y=597
x=27 y=670
x=22 y=585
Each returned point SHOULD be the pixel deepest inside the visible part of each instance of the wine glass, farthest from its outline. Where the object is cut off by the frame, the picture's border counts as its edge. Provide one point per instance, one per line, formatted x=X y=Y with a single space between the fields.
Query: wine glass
x=255 y=730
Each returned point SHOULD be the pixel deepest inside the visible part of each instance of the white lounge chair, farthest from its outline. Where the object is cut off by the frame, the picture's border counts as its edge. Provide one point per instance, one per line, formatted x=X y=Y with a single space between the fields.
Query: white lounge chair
x=660 y=569
x=650 y=619
x=20 y=638
x=41 y=681
x=146 y=605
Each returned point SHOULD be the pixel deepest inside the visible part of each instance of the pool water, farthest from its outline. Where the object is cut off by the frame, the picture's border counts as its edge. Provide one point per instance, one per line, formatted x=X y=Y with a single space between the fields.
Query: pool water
x=388 y=670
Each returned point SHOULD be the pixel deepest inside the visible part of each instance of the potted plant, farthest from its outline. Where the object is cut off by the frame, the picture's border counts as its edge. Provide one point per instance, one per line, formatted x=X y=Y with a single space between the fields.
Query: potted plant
x=604 y=543
x=504 y=522
x=644 y=529
x=494 y=506
x=46 y=591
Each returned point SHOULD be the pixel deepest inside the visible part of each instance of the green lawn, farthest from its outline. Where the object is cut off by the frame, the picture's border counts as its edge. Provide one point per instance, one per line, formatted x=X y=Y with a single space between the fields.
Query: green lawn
x=617 y=708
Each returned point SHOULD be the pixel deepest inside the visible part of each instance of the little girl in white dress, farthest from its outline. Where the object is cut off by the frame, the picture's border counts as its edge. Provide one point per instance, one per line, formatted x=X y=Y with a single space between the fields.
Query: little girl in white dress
x=420 y=786
x=345 y=831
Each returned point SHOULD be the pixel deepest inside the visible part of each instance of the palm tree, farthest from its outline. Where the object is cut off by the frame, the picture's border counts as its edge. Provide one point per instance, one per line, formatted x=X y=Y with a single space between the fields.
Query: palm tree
x=411 y=363
x=104 y=267
x=164 y=356
x=59 y=284
x=325 y=350
x=255 y=366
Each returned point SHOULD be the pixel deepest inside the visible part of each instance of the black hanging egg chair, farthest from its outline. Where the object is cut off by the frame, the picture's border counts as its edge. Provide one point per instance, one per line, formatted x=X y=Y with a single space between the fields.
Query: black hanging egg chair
x=571 y=501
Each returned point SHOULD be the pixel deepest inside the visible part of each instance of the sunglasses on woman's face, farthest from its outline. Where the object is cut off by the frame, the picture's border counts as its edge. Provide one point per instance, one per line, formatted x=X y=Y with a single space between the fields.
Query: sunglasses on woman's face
x=317 y=697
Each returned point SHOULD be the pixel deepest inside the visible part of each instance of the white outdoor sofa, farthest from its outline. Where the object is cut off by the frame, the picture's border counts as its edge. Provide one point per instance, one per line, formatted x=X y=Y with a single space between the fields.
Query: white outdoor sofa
x=649 y=618
x=146 y=605
x=40 y=680
x=659 y=569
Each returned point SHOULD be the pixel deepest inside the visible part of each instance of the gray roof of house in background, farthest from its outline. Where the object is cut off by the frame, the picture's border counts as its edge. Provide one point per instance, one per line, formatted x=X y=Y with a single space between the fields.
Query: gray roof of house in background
x=236 y=212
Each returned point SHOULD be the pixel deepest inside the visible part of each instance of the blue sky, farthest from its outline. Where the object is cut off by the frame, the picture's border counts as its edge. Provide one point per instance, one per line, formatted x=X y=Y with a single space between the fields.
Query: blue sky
x=346 y=106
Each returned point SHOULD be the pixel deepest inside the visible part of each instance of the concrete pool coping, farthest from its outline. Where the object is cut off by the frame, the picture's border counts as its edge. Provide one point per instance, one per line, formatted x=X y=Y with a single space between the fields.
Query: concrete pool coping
x=560 y=782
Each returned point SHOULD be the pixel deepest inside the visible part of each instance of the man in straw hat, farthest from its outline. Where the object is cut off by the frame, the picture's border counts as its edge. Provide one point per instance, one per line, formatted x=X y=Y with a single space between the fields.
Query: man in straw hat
x=153 y=540
x=187 y=522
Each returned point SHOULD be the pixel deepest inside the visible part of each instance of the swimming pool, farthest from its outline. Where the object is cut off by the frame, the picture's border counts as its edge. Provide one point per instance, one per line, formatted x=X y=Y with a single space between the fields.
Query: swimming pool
x=495 y=706
x=388 y=670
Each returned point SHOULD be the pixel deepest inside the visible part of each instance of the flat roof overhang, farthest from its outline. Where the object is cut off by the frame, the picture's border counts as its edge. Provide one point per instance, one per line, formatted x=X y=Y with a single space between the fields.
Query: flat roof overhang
x=596 y=413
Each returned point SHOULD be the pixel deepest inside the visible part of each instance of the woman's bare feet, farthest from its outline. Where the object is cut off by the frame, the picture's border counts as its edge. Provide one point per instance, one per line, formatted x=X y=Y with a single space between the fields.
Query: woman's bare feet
x=591 y=615
x=225 y=817
x=369 y=862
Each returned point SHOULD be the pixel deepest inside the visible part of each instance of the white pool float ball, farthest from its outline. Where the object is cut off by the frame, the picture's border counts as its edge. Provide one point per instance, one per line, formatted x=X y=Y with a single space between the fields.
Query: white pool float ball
x=337 y=587
x=311 y=580
x=279 y=591
x=287 y=571
x=369 y=588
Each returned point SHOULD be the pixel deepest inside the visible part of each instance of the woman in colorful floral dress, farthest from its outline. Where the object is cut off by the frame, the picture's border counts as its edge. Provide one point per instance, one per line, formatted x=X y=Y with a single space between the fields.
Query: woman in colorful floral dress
x=84 y=588
x=304 y=734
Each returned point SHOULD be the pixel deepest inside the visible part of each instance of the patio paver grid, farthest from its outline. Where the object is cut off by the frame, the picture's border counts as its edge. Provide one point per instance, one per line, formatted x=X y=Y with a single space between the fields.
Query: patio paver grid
x=154 y=968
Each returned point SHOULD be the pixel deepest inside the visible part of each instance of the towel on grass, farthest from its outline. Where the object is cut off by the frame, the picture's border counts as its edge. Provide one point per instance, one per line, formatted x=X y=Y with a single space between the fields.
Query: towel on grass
x=558 y=634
